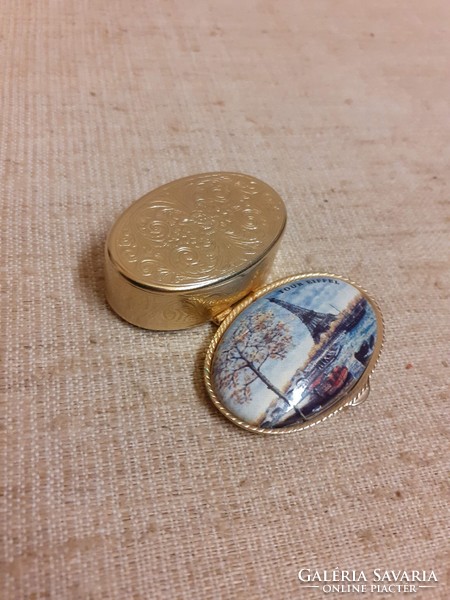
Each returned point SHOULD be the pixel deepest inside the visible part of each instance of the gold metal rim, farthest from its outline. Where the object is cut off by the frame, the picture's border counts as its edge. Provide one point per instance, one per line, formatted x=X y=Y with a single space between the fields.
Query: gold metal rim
x=350 y=398
x=196 y=287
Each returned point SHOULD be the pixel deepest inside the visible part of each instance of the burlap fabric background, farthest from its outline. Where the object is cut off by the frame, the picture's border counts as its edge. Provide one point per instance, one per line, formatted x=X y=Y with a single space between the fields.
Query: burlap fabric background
x=119 y=479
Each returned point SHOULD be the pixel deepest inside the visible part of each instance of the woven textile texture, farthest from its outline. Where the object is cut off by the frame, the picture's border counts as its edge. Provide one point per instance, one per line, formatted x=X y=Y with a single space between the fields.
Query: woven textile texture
x=119 y=478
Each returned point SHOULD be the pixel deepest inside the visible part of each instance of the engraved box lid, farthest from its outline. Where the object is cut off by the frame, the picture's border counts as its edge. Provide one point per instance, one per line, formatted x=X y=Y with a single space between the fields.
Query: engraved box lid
x=188 y=250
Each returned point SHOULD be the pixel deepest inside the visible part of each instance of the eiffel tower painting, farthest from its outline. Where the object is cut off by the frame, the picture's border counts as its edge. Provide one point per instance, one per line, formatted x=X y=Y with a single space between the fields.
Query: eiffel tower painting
x=316 y=322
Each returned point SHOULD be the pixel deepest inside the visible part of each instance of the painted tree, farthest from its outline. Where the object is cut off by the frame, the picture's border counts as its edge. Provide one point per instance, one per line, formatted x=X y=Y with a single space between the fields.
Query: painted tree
x=258 y=338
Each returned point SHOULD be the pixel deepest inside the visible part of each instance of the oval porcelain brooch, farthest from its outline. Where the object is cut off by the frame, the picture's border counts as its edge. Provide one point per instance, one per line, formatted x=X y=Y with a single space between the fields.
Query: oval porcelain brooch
x=294 y=353
x=287 y=355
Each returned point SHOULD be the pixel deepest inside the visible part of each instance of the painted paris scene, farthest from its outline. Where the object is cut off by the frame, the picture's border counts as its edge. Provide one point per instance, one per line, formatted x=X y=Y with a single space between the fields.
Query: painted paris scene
x=294 y=352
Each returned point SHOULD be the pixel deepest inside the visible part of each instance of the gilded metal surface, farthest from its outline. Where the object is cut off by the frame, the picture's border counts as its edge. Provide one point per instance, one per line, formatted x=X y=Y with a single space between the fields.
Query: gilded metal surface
x=189 y=249
x=356 y=395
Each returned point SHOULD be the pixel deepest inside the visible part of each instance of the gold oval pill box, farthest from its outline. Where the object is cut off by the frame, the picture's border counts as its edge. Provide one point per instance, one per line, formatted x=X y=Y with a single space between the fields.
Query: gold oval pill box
x=190 y=249
x=287 y=355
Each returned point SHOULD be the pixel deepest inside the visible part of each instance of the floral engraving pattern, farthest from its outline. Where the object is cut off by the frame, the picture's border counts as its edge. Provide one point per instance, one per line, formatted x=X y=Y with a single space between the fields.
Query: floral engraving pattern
x=200 y=228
